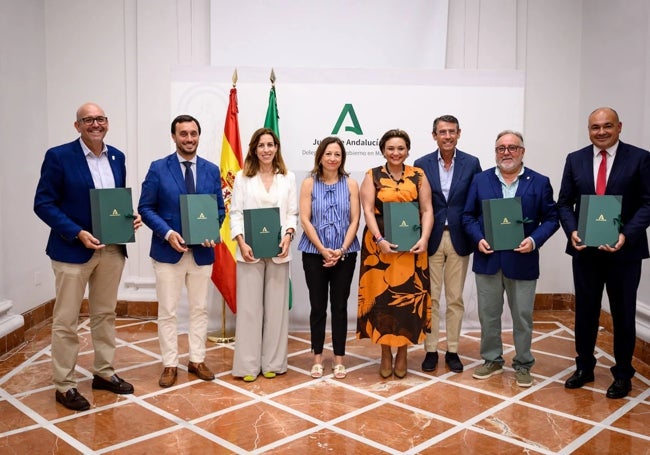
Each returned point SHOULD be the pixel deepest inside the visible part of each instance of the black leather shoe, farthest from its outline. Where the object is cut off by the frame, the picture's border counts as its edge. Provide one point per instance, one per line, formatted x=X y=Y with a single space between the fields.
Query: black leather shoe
x=113 y=384
x=579 y=378
x=453 y=362
x=430 y=361
x=619 y=388
x=72 y=399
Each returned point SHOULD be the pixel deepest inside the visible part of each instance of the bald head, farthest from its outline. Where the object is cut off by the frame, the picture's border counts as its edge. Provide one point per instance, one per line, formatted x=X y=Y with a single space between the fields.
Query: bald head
x=604 y=127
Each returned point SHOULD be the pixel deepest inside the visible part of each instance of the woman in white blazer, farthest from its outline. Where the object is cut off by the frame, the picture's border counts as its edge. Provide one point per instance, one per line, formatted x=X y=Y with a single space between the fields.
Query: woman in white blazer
x=262 y=327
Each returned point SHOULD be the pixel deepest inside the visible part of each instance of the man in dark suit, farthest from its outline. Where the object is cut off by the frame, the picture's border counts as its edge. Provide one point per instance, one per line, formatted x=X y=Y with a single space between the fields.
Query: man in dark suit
x=513 y=271
x=450 y=173
x=62 y=201
x=626 y=170
x=174 y=262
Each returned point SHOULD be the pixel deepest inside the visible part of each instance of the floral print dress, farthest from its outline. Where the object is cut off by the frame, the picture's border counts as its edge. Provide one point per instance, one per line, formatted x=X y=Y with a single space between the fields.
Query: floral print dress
x=394 y=294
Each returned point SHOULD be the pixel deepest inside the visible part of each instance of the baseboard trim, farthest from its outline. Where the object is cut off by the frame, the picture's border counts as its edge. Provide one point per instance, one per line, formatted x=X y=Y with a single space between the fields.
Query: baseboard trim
x=149 y=310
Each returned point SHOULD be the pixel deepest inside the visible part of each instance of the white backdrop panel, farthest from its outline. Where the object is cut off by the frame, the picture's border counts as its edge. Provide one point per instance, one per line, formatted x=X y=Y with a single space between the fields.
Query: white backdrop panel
x=309 y=108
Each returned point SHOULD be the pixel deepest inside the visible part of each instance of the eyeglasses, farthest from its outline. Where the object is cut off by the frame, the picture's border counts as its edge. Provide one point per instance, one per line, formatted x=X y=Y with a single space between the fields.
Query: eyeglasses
x=511 y=148
x=100 y=119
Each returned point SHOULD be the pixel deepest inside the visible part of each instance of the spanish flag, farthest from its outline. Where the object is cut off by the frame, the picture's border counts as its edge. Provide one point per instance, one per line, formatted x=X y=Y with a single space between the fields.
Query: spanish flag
x=224 y=270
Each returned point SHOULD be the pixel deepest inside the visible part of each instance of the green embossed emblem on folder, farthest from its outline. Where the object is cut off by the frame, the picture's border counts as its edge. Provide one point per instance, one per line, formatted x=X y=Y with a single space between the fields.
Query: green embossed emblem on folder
x=199 y=218
x=112 y=215
x=503 y=223
x=599 y=220
x=402 y=224
x=262 y=231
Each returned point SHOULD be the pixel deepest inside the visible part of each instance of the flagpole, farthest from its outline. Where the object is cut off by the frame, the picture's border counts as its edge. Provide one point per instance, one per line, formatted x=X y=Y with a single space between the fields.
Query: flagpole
x=224 y=338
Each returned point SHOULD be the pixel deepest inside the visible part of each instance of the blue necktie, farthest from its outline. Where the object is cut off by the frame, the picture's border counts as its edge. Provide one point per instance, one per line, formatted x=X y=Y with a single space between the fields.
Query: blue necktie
x=189 y=177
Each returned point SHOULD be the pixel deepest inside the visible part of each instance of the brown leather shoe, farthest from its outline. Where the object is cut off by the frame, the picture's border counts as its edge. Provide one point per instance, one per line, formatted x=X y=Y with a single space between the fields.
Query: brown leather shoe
x=72 y=399
x=201 y=370
x=168 y=377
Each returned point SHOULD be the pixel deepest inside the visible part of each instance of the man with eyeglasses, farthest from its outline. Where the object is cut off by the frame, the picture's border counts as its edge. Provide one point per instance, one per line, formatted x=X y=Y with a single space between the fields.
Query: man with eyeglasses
x=625 y=172
x=62 y=201
x=449 y=172
x=514 y=272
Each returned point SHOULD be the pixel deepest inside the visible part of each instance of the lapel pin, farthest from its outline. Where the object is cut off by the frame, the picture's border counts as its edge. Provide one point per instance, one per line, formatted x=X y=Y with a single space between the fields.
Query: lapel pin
x=113 y=157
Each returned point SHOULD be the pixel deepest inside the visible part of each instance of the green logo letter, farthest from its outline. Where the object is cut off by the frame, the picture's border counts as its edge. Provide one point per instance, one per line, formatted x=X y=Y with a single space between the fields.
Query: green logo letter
x=355 y=128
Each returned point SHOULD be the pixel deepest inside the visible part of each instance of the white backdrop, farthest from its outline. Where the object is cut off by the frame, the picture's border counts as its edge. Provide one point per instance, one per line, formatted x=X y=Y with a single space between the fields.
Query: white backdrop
x=311 y=101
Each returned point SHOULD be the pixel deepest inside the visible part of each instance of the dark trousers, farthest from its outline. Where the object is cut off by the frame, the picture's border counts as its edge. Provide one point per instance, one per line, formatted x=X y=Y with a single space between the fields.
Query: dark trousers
x=337 y=280
x=592 y=274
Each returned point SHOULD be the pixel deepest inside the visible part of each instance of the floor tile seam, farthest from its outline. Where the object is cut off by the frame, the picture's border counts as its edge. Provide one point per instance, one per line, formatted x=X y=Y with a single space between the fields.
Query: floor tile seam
x=49 y=425
x=348 y=434
x=469 y=424
x=25 y=364
x=177 y=423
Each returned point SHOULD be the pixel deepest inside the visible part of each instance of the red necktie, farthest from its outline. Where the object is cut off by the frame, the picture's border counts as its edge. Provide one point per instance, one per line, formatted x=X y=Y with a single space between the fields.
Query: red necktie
x=601 y=181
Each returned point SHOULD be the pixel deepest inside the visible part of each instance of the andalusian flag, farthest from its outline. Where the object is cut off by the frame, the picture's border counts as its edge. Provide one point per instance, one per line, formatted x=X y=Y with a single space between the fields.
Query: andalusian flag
x=224 y=270
x=271 y=122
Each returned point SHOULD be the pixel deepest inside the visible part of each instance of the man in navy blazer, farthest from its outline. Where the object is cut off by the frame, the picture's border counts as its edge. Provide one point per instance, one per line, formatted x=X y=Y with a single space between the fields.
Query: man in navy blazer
x=174 y=262
x=618 y=267
x=449 y=172
x=513 y=271
x=62 y=201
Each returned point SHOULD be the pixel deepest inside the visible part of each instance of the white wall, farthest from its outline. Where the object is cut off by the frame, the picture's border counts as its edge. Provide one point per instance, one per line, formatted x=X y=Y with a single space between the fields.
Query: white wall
x=576 y=55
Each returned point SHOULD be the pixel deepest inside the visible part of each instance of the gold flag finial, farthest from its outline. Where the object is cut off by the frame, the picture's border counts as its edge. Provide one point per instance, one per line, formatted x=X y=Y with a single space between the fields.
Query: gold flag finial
x=234 y=78
x=272 y=76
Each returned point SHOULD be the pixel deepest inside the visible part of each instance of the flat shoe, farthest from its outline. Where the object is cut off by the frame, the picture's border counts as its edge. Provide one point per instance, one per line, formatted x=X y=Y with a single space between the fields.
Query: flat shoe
x=339 y=371
x=316 y=371
x=269 y=374
x=249 y=378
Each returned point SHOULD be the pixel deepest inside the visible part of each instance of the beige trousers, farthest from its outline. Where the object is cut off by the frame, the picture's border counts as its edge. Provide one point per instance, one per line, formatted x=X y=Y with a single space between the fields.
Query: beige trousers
x=102 y=274
x=262 y=326
x=448 y=268
x=170 y=279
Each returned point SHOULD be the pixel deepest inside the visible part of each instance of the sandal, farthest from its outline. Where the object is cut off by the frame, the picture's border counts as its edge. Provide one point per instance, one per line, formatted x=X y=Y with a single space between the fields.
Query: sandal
x=316 y=371
x=339 y=371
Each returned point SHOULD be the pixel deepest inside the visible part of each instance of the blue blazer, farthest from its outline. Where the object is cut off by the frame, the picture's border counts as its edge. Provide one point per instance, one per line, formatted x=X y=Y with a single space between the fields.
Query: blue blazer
x=465 y=167
x=62 y=198
x=629 y=177
x=537 y=205
x=160 y=207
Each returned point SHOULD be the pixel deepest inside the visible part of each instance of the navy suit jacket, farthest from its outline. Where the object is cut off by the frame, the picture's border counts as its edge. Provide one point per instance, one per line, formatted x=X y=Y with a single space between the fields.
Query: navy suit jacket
x=465 y=167
x=160 y=204
x=537 y=205
x=629 y=177
x=62 y=199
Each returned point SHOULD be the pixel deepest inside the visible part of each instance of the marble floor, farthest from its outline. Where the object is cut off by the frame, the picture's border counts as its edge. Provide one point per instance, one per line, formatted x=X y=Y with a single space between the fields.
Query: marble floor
x=423 y=413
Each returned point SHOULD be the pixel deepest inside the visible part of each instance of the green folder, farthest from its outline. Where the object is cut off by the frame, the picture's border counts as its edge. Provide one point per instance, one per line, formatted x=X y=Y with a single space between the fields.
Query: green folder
x=199 y=218
x=112 y=215
x=503 y=223
x=599 y=220
x=402 y=224
x=262 y=231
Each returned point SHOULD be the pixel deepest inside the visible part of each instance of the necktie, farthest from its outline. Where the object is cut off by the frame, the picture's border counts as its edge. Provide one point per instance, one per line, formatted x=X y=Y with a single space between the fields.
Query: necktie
x=189 y=177
x=601 y=181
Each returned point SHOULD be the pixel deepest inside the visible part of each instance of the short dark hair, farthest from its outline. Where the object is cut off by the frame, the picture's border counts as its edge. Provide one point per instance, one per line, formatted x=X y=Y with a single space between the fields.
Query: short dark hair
x=184 y=118
x=446 y=118
x=394 y=133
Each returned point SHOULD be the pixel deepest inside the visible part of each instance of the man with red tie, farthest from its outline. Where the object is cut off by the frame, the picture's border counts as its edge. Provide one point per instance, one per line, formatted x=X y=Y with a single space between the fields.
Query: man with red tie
x=608 y=166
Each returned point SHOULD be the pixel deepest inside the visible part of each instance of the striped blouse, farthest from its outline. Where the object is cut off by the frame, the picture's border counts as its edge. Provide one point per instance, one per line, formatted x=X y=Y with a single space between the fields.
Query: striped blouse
x=330 y=216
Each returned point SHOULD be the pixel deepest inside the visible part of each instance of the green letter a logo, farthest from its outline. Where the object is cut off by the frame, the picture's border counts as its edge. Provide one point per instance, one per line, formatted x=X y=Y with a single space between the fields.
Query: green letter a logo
x=355 y=128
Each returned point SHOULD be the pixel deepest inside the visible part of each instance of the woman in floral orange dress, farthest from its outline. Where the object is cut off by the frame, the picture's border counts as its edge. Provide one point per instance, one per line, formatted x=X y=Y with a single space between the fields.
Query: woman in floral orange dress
x=394 y=296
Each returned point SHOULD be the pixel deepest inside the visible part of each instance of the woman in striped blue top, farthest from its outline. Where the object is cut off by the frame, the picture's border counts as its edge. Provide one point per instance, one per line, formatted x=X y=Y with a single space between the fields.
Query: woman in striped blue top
x=329 y=215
